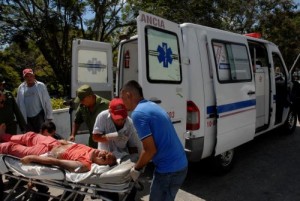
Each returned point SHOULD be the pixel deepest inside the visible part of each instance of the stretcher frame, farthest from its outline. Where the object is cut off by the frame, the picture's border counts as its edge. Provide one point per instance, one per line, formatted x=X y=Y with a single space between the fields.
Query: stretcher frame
x=72 y=191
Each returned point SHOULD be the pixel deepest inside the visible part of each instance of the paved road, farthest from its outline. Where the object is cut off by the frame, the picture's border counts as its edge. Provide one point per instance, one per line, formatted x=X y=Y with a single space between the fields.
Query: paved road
x=266 y=169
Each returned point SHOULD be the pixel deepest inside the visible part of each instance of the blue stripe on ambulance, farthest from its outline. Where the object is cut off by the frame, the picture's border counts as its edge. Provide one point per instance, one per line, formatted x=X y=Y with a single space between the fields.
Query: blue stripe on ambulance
x=231 y=108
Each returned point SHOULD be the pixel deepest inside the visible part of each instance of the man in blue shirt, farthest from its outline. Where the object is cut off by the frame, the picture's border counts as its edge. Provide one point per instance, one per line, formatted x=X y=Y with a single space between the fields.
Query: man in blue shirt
x=160 y=144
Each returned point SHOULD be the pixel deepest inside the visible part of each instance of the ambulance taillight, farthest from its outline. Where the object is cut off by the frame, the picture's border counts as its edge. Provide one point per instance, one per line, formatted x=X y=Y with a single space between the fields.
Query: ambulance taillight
x=193 y=116
x=126 y=59
x=253 y=35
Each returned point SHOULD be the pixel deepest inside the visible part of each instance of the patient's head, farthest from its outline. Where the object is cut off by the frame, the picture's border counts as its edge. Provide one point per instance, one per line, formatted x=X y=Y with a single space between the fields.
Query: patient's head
x=102 y=157
x=48 y=128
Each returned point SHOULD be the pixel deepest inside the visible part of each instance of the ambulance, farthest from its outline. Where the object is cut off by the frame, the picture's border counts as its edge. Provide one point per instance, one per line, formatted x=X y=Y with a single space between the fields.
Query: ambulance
x=220 y=89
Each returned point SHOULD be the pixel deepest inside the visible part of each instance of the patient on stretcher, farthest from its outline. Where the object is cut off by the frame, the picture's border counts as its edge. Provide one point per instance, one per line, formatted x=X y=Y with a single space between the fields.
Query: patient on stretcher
x=72 y=157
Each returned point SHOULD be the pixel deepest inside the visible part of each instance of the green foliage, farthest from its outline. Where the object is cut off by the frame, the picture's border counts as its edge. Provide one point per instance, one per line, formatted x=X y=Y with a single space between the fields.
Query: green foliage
x=57 y=103
x=53 y=25
x=12 y=78
x=40 y=33
x=276 y=20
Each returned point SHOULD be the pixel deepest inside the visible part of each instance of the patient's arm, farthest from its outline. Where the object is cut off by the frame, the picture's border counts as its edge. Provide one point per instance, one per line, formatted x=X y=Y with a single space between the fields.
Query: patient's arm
x=63 y=142
x=72 y=166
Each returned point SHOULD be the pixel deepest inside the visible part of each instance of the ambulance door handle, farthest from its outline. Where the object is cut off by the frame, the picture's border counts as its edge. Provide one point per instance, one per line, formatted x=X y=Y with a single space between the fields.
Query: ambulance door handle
x=155 y=100
x=251 y=92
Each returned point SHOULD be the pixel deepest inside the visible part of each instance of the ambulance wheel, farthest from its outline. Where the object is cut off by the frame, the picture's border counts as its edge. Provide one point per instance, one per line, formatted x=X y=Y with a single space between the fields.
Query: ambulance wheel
x=290 y=123
x=223 y=163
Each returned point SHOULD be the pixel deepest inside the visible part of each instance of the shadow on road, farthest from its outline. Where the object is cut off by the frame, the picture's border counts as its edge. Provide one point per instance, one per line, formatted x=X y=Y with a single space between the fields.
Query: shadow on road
x=266 y=168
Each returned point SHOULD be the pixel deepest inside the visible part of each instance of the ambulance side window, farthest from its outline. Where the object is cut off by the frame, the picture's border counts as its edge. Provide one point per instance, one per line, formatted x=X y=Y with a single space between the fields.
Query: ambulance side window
x=163 y=60
x=232 y=62
x=259 y=55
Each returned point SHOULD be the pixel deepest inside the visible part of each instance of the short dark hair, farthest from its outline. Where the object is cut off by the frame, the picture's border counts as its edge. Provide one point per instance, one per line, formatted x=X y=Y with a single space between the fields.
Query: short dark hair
x=134 y=86
x=48 y=125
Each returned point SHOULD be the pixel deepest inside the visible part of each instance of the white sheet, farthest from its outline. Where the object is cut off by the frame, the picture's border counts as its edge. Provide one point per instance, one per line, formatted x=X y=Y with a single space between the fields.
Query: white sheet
x=34 y=171
x=80 y=177
x=99 y=174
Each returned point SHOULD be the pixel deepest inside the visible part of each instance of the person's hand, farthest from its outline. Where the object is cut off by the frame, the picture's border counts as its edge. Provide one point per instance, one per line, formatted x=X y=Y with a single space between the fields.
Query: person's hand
x=116 y=137
x=26 y=159
x=121 y=138
x=72 y=138
x=63 y=142
x=134 y=174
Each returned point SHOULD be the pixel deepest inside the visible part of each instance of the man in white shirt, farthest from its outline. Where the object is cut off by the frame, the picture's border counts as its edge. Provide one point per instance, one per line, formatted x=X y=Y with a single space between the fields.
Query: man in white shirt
x=114 y=131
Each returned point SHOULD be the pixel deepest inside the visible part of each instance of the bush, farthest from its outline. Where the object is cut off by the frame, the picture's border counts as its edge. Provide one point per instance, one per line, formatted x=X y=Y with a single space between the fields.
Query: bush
x=57 y=103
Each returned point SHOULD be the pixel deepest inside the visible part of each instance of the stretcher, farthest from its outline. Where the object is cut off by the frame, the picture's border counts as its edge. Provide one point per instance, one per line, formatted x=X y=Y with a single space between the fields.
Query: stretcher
x=96 y=183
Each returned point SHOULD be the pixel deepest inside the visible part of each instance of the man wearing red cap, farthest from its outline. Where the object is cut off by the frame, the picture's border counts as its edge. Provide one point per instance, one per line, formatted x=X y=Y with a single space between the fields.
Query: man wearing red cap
x=34 y=101
x=114 y=132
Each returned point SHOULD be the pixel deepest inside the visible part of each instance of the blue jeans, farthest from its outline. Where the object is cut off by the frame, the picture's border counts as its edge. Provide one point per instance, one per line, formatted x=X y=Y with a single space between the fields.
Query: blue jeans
x=165 y=186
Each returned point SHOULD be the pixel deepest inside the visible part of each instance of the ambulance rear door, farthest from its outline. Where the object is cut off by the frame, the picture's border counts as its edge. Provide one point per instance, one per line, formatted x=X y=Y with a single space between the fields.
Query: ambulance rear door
x=92 y=65
x=160 y=70
x=234 y=89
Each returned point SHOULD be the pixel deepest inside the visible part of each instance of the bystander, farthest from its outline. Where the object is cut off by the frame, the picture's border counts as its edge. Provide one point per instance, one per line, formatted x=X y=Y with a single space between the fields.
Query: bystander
x=34 y=101
x=10 y=113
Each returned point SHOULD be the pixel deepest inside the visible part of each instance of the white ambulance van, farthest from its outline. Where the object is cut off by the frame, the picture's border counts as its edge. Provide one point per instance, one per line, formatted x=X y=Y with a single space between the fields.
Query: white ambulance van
x=219 y=88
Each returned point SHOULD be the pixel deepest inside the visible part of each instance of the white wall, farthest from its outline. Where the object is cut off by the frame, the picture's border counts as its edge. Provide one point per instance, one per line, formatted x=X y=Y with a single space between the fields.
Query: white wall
x=61 y=118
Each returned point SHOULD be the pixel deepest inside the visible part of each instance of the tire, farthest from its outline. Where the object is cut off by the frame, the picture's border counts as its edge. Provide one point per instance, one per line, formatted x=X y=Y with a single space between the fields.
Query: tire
x=223 y=163
x=290 y=123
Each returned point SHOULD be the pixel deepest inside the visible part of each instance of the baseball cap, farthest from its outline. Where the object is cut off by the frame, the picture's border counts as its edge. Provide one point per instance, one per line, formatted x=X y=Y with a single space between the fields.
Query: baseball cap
x=26 y=71
x=2 y=79
x=82 y=92
x=117 y=109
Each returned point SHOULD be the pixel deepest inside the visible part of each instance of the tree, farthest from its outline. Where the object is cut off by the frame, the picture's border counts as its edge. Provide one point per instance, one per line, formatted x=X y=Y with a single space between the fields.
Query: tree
x=12 y=79
x=53 y=24
x=276 y=20
x=282 y=28
x=200 y=12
